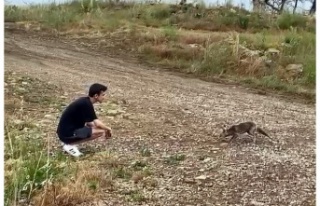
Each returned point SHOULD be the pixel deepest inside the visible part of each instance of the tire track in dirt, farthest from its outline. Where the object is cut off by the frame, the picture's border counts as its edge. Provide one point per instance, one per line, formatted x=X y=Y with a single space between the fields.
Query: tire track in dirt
x=172 y=114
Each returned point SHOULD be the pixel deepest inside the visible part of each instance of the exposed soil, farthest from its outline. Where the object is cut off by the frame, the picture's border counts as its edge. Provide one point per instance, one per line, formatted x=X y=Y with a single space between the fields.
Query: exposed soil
x=171 y=114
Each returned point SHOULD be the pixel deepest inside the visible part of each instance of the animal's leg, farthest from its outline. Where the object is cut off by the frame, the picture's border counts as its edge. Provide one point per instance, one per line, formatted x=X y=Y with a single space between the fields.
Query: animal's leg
x=233 y=137
x=252 y=132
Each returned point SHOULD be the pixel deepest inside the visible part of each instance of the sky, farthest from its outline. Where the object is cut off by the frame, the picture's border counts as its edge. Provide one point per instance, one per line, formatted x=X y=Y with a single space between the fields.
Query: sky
x=245 y=3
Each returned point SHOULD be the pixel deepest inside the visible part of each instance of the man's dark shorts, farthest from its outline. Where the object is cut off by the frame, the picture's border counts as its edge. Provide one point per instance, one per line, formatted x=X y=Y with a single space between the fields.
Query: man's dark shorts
x=78 y=135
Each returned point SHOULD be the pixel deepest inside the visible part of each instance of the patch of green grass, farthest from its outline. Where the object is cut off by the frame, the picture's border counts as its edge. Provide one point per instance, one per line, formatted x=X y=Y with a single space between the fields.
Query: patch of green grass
x=300 y=49
x=122 y=172
x=175 y=159
x=135 y=196
x=129 y=171
x=287 y=20
x=159 y=11
x=139 y=165
x=145 y=152
x=14 y=13
x=93 y=185
x=273 y=82
x=217 y=58
x=156 y=15
x=170 y=33
x=28 y=165
x=270 y=82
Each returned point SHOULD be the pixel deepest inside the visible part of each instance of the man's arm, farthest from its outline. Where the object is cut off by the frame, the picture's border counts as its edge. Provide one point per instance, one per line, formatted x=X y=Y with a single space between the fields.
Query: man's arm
x=98 y=123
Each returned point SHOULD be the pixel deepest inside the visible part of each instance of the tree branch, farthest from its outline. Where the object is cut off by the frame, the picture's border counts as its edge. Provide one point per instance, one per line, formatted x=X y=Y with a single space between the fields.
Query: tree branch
x=269 y=4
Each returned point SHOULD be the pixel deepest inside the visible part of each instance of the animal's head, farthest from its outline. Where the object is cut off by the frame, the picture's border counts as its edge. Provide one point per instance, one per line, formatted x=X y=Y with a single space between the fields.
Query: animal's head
x=224 y=133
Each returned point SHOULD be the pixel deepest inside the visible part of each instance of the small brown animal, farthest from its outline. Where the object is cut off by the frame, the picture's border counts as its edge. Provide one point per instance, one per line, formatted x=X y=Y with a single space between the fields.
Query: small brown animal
x=245 y=127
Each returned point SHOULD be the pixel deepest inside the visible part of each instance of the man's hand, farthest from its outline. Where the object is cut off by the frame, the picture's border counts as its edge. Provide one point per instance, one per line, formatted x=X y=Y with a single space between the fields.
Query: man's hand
x=100 y=125
x=108 y=133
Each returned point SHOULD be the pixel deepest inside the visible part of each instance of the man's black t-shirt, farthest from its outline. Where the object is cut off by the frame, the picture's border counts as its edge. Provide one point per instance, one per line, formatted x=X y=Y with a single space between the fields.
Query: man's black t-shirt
x=75 y=116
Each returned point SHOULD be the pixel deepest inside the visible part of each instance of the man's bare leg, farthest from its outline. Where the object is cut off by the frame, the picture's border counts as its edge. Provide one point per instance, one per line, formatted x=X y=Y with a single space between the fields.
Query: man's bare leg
x=96 y=133
x=91 y=124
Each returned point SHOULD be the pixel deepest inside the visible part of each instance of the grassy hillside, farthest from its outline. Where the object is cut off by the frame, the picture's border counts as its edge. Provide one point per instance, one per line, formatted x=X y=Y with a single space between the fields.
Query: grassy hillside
x=261 y=50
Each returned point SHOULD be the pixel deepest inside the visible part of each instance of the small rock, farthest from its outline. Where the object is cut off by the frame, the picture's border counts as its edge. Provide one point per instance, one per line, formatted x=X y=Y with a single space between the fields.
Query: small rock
x=201 y=177
x=24 y=83
x=256 y=203
x=172 y=138
x=45 y=121
x=250 y=53
x=20 y=89
x=193 y=45
x=100 y=203
x=112 y=112
x=189 y=181
x=187 y=111
x=273 y=51
x=262 y=92
x=207 y=160
x=17 y=121
x=294 y=70
x=126 y=116
x=103 y=41
x=49 y=116
x=22 y=201
x=224 y=144
x=295 y=67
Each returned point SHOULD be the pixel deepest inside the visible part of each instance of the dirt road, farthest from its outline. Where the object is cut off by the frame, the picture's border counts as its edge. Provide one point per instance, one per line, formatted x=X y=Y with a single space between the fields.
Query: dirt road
x=169 y=114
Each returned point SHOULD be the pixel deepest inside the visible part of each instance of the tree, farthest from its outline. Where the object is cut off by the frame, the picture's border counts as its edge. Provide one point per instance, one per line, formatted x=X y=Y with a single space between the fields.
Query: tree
x=295 y=6
x=277 y=5
x=313 y=7
x=280 y=5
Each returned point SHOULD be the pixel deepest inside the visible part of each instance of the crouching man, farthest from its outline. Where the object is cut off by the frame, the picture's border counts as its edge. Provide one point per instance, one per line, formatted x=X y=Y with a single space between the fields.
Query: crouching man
x=79 y=122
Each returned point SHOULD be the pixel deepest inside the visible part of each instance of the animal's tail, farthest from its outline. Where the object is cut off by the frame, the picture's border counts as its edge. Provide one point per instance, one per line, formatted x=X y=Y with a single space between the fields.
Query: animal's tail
x=262 y=132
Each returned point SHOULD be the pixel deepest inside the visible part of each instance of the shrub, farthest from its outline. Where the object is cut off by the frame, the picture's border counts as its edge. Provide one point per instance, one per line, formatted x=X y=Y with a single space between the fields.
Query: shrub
x=286 y=21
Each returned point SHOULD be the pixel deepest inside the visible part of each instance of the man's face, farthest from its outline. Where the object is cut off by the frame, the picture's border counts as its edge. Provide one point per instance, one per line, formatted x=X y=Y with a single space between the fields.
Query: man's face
x=100 y=98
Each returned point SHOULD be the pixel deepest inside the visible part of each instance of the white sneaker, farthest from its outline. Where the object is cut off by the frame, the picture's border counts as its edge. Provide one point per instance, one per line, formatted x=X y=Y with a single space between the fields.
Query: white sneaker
x=72 y=150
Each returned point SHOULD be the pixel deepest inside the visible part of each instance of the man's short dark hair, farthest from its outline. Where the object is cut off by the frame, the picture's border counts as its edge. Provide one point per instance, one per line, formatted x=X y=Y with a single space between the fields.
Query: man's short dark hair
x=97 y=89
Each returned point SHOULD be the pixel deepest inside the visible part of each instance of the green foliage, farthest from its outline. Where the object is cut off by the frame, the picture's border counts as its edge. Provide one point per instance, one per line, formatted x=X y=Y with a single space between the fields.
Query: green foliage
x=243 y=22
x=286 y=21
x=170 y=33
x=159 y=12
x=30 y=165
x=175 y=159
x=216 y=59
